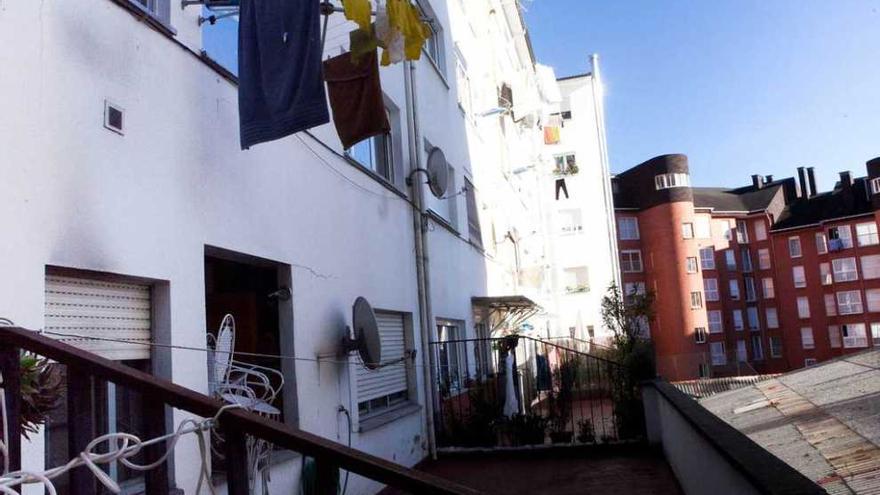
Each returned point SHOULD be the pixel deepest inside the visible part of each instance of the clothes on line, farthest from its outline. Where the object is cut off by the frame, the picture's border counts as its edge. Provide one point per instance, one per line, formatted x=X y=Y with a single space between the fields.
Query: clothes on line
x=551 y=134
x=560 y=186
x=280 y=91
x=359 y=12
x=356 y=97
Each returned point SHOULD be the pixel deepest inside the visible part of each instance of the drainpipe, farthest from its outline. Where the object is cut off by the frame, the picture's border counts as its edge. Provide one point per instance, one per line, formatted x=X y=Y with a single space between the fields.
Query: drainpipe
x=420 y=229
x=599 y=109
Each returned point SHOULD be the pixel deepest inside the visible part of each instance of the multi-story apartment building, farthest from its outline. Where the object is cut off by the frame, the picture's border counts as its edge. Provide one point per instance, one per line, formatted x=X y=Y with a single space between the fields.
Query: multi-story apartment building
x=758 y=279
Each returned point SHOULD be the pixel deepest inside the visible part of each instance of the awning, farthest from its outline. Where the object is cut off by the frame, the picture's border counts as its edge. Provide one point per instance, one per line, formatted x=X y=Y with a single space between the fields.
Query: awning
x=508 y=311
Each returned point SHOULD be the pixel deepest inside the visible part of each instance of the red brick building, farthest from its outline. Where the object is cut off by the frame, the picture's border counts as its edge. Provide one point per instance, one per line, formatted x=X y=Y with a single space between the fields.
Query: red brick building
x=763 y=278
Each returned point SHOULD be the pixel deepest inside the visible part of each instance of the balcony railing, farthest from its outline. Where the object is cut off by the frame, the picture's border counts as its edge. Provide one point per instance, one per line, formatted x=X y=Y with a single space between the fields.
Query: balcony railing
x=235 y=424
x=548 y=394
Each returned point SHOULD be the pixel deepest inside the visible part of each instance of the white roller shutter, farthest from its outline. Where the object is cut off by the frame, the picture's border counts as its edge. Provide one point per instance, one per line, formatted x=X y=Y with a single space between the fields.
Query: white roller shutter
x=94 y=308
x=391 y=379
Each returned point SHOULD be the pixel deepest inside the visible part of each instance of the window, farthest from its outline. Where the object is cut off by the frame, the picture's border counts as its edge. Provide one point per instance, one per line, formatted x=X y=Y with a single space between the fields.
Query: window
x=474 y=231
x=687 y=230
x=730 y=258
x=809 y=362
x=854 y=336
x=875 y=334
x=821 y=243
x=631 y=289
x=875 y=186
x=775 y=347
x=733 y=286
x=845 y=269
x=772 y=317
x=696 y=300
x=433 y=46
x=834 y=336
x=866 y=233
x=742 y=232
x=160 y=9
x=849 y=302
x=692 y=266
x=668 y=181
x=794 y=247
x=769 y=290
x=757 y=348
x=741 y=354
x=830 y=305
x=752 y=314
x=570 y=221
x=576 y=279
x=702 y=228
x=631 y=261
x=746 y=259
x=707 y=258
x=764 y=259
x=700 y=335
x=807 y=341
x=716 y=351
x=375 y=154
x=703 y=370
x=738 y=319
x=710 y=287
x=839 y=237
x=751 y=293
x=871 y=266
x=760 y=229
x=463 y=84
x=825 y=273
x=716 y=325
x=565 y=164
x=872 y=296
x=451 y=358
x=803 y=305
x=723 y=227
x=628 y=228
x=797 y=274
x=388 y=387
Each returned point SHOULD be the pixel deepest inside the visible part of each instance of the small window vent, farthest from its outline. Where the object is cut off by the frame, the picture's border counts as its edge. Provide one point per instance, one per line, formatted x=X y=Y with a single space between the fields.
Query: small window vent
x=113 y=117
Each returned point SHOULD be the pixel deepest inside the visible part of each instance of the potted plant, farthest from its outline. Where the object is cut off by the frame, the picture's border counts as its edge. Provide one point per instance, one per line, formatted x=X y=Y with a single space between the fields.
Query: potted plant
x=525 y=429
x=41 y=391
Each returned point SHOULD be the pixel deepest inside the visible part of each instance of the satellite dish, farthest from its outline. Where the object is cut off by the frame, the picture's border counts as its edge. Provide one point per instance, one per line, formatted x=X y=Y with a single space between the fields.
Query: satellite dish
x=366 y=339
x=438 y=172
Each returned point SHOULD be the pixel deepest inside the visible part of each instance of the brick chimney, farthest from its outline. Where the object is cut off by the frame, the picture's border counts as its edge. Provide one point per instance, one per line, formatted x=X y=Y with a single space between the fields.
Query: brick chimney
x=803 y=184
x=811 y=180
x=768 y=179
x=846 y=188
x=757 y=181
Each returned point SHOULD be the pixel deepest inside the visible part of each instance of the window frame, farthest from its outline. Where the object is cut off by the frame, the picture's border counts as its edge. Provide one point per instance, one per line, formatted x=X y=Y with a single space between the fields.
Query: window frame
x=701 y=336
x=853 y=307
x=760 y=229
x=696 y=299
x=803 y=310
x=772 y=323
x=710 y=288
x=771 y=294
x=634 y=224
x=692 y=265
x=807 y=343
x=799 y=276
x=873 y=238
x=854 y=341
x=764 y=256
x=713 y=324
x=713 y=346
x=738 y=321
x=792 y=242
x=630 y=253
x=687 y=230
x=475 y=232
x=757 y=348
x=730 y=259
x=707 y=263
x=775 y=347
x=849 y=275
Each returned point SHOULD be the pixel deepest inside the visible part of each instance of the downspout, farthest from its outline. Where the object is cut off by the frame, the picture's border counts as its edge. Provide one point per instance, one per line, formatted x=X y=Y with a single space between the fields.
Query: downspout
x=599 y=109
x=420 y=230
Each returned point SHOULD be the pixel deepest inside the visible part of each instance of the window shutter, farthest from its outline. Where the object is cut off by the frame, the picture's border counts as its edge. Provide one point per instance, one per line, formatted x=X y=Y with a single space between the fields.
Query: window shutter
x=391 y=379
x=95 y=308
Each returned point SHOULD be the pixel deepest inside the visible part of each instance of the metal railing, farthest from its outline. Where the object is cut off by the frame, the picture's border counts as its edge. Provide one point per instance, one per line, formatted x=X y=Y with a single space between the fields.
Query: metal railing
x=158 y=394
x=548 y=394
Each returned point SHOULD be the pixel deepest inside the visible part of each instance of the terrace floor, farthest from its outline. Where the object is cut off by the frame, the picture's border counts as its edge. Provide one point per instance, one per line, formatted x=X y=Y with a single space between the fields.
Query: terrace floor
x=577 y=473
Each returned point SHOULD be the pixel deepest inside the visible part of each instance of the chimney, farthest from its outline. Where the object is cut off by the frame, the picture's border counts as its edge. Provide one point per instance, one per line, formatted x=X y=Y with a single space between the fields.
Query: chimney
x=802 y=183
x=873 y=167
x=768 y=179
x=757 y=181
x=846 y=180
x=811 y=179
x=846 y=188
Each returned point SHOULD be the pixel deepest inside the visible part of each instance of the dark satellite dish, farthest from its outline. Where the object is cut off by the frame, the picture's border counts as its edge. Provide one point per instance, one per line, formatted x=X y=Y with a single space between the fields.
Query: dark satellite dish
x=438 y=172
x=365 y=339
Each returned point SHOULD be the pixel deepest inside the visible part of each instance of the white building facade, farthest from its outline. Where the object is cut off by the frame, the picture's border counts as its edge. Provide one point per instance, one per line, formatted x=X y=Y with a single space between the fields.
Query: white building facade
x=159 y=205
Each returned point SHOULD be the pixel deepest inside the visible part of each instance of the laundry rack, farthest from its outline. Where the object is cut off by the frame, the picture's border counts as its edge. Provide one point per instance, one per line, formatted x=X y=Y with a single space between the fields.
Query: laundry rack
x=228 y=8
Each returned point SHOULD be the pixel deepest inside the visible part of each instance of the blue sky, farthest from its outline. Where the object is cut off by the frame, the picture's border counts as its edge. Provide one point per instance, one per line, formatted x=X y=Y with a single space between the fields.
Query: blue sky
x=741 y=87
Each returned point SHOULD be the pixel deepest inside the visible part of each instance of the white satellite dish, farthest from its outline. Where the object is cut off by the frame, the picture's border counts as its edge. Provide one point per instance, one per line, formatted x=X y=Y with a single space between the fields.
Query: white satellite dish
x=438 y=172
x=365 y=339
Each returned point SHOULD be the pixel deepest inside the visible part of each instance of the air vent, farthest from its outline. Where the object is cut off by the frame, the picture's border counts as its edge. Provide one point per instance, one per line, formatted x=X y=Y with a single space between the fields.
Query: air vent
x=113 y=117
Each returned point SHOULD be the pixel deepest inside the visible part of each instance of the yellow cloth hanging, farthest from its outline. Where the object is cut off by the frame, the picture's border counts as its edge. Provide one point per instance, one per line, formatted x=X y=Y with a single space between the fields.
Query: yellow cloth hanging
x=358 y=11
x=414 y=30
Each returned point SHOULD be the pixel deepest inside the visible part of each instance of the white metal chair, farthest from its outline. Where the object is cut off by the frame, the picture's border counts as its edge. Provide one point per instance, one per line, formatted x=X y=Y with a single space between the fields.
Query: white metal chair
x=250 y=386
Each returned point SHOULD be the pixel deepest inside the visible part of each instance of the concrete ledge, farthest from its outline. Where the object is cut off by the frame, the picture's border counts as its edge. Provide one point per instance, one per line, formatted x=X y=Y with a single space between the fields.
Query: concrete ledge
x=708 y=455
x=379 y=420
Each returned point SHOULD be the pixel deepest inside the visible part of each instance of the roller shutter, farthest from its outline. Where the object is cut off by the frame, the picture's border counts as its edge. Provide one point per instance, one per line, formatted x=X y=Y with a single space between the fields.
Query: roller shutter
x=88 y=307
x=372 y=384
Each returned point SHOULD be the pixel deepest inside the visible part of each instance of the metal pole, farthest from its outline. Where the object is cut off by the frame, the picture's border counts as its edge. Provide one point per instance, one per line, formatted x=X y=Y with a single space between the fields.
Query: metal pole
x=421 y=242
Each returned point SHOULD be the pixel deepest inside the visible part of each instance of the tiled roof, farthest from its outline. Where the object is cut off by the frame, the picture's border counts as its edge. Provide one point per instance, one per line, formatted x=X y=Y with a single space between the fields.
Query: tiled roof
x=826 y=206
x=743 y=199
x=704 y=387
x=824 y=421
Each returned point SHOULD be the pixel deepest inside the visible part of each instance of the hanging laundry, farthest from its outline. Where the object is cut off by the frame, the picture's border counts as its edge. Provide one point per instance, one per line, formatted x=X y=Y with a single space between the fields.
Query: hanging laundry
x=560 y=186
x=390 y=38
x=400 y=31
x=280 y=90
x=551 y=135
x=359 y=11
x=356 y=97
x=362 y=43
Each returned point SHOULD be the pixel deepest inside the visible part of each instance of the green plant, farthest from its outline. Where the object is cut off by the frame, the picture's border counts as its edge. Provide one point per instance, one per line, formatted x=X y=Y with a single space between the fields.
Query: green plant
x=526 y=429
x=586 y=432
x=41 y=391
x=561 y=395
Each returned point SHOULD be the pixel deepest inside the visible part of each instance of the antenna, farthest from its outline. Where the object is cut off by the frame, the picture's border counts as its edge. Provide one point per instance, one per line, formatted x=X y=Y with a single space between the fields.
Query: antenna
x=438 y=172
x=365 y=339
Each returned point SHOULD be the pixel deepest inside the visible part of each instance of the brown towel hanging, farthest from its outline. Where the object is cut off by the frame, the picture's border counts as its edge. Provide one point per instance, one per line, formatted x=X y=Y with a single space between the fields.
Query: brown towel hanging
x=356 y=97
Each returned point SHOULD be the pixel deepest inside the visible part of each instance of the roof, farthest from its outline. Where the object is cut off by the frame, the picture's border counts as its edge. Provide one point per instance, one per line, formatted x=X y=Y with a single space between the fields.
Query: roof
x=826 y=206
x=704 y=387
x=824 y=420
x=743 y=199
x=504 y=302
x=574 y=76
